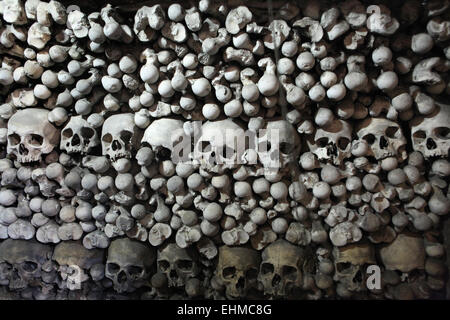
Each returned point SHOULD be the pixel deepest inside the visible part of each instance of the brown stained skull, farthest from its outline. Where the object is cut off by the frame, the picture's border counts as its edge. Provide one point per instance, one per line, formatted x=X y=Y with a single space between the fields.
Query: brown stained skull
x=350 y=263
x=283 y=268
x=128 y=264
x=384 y=137
x=31 y=135
x=332 y=143
x=78 y=136
x=237 y=269
x=74 y=262
x=25 y=259
x=178 y=264
x=431 y=134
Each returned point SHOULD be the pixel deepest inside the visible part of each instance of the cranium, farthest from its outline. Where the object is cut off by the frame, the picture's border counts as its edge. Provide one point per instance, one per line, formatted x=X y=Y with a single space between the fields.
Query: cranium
x=405 y=253
x=431 y=134
x=217 y=148
x=120 y=136
x=332 y=143
x=384 y=137
x=30 y=135
x=128 y=264
x=74 y=262
x=163 y=135
x=282 y=133
x=238 y=270
x=282 y=268
x=26 y=259
x=350 y=263
x=177 y=264
x=78 y=136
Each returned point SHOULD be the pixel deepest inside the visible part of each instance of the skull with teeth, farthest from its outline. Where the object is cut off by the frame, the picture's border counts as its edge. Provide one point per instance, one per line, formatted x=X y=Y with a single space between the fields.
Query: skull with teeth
x=178 y=264
x=238 y=270
x=25 y=259
x=74 y=262
x=78 y=136
x=431 y=134
x=31 y=135
x=120 y=136
x=128 y=264
x=283 y=267
x=332 y=143
x=384 y=137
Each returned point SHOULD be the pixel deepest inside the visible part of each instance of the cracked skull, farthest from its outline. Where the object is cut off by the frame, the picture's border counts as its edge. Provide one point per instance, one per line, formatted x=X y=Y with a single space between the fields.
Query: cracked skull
x=25 y=259
x=31 y=135
x=238 y=270
x=177 y=264
x=431 y=134
x=128 y=264
x=384 y=138
x=78 y=136
x=120 y=136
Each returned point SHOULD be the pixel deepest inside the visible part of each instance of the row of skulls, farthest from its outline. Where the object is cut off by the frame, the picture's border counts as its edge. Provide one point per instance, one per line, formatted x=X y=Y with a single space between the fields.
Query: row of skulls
x=31 y=135
x=282 y=270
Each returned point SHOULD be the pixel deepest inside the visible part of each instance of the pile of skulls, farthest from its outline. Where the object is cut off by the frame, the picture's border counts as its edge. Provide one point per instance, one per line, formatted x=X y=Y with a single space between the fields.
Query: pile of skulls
x=95 y=107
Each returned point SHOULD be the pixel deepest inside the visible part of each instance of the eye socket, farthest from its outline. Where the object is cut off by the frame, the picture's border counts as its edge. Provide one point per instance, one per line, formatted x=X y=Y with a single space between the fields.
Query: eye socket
x=112 y=267
x=163 y=265
x=107 y=138
x=288 y=270
x=14 y=139
x=228 y=272
x=391 y=131
x=36 y=140
x=87 y=132
x=370 y=138
x=419 y=135
x=135 y=270
x=342 y=266
x=267 y=268
x=126 y=136
x=67 y=133
x=343 y=143
x=286 y=147
x=251 y=273
x=185 y=265
x=322 y=142
x=442 y=132
x=29 y=266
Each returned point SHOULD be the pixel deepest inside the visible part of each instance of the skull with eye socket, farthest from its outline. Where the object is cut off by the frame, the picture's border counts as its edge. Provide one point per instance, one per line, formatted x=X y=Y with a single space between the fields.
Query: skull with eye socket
x=31 y=135
x=128 y=264
x=25 y=260
x=237 y=269
x=78 y=136
x=178 y=264
x=431 y=134
x=332 y=143
x=283 y=268
x=384 y=138
x=120 y=136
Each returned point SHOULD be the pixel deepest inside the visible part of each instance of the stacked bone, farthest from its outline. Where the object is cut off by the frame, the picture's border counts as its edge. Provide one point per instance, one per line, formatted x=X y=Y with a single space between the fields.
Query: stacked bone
x=94 y=106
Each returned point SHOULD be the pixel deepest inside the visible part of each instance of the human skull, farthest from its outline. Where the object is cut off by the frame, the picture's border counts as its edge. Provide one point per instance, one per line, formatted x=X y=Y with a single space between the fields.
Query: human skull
x=238 y=270
x=218 y=147
x=120 y=136
x=384 y=137
x=405 y=253
x=163 y=135
x=74 y=263
x=350 y=263
x=332 y=143
x=128 y=264
x=278 y=144
x=178 y=264
x=431 y=134
x=30 y=135
x=78 y=136
x=26 y=259
x=282 y=268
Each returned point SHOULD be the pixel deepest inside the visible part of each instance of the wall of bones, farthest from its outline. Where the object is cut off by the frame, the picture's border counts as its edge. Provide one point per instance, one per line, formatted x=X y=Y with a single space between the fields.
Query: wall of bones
x=95 y=99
